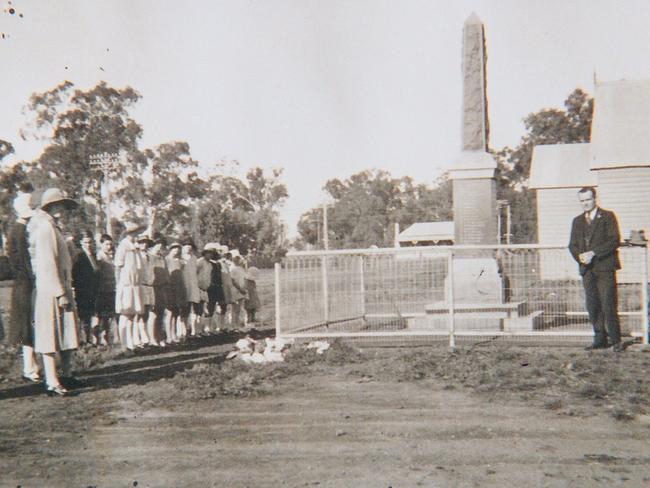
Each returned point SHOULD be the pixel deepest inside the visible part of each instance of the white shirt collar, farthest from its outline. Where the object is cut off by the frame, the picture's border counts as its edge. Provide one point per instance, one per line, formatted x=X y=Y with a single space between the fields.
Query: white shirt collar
x=592 y=214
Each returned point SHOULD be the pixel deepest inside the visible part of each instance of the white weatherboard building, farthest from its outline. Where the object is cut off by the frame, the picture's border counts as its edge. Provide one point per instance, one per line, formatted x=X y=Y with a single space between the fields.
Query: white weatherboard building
x=427 y=234
x=616 y=162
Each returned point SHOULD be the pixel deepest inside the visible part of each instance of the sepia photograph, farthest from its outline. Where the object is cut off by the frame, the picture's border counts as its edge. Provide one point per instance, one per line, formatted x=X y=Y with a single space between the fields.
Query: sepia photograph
x=324 y=243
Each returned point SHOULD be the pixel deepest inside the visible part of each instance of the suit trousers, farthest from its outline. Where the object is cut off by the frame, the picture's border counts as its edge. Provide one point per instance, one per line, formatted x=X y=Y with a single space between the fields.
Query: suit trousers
x=602 y=303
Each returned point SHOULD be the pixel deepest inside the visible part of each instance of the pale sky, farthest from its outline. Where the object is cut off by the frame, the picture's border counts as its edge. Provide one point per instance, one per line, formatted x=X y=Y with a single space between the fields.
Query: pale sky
x=322 y=88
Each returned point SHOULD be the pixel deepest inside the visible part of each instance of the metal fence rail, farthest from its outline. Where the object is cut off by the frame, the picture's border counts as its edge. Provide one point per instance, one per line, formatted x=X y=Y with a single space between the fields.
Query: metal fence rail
x=448 y=293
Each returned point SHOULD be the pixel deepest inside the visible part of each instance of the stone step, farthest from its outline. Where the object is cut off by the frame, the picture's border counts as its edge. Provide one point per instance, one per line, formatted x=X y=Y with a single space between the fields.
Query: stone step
x=528 y=323
x=477 y=322
x=495 y=309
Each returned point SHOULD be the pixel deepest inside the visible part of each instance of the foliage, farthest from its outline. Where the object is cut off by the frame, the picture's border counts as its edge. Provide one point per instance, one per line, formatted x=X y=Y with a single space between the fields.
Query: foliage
x=10 y=180
x=79 y=124
x=548 y=126
x=366 y=205
x=161 y=183
x=243 y=214
x=169 y=191
x=6 y=148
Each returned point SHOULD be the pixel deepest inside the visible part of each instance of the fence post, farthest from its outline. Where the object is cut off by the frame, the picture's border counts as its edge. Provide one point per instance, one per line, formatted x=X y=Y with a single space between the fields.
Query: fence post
x=326 y=300
x=450 y=299
x=277 y=299
x=362 y=289
x=644 y=296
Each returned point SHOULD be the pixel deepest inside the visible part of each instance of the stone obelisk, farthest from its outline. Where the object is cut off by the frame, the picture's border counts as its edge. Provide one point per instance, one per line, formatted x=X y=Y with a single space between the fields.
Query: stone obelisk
x=476 y=275
x=474 y=187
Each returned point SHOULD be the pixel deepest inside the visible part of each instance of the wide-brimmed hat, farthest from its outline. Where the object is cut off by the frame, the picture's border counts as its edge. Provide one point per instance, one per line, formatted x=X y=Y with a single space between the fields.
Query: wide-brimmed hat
x=22 y=206
x=212 y=246
x=235 y=253
x=134 y=228
x=145 y=238
x=175 y=244
x=56 y=195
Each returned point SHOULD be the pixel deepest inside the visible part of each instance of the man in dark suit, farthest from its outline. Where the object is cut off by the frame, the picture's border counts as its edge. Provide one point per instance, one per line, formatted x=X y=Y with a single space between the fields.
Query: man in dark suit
x=594 y=245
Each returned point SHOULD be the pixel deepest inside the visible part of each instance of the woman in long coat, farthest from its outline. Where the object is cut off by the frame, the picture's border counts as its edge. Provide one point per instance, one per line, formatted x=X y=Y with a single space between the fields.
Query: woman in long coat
x=55 y=322
x=21 y=331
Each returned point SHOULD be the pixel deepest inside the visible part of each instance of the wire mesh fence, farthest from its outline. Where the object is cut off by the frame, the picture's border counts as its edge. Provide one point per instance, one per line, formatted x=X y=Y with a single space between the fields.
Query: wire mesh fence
x=522 y=292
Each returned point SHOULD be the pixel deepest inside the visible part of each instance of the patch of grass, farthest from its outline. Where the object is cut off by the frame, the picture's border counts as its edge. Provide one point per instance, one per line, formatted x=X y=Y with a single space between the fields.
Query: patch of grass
x=342 y=353
x=622 y=414
x=539 y=376
x=9 y=362
x=554 y=404
x=235 y=378
x=88 y=357
x=593 y=391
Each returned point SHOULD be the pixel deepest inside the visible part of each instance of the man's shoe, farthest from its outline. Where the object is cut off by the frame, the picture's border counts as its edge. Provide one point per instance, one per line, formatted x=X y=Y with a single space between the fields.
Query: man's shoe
x=596 y=346
x=618 y=347
x=56 y=391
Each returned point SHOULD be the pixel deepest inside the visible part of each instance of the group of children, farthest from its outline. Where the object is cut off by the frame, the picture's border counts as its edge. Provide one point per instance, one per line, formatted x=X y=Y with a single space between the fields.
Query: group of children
x=141 y=293
x=148 y=292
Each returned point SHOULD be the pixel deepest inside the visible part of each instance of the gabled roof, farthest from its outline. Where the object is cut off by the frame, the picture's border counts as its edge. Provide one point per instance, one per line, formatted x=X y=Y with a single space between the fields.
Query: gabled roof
x=561 y=166
x=428 y=231
x=620 y=132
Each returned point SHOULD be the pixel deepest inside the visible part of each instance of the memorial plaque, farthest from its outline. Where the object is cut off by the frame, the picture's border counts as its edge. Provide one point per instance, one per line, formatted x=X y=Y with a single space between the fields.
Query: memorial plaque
x=474 y=216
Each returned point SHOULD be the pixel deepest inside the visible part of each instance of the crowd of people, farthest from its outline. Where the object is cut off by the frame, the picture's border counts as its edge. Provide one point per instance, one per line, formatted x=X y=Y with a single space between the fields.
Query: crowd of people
x=146 y=291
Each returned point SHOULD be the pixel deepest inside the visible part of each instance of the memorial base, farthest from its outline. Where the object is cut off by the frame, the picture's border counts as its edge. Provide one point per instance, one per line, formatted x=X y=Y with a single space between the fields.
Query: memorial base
x=478 y=318
x=476 y=280
x=480 y=304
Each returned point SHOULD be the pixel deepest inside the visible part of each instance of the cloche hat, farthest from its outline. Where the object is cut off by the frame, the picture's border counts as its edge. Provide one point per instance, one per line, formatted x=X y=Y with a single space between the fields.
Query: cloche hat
x=56 y=195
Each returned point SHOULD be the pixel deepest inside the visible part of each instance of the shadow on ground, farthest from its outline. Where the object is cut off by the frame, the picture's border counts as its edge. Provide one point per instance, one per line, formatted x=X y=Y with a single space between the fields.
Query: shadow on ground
x=146 y=366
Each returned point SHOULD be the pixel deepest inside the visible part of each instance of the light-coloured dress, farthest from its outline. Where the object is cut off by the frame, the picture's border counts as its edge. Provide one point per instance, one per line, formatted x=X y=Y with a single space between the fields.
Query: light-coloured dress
x=129 y=271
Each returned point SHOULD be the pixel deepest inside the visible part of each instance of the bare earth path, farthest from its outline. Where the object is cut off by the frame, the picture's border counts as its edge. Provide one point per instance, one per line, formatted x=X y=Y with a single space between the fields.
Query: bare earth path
x=325 y=430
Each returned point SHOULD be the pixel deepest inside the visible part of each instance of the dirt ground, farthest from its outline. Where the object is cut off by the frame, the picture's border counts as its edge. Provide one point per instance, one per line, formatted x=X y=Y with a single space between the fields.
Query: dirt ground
x=497 y=416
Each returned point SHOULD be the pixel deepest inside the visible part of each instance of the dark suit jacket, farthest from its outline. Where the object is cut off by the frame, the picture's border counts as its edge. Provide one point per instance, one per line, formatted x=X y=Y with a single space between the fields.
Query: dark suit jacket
x=602 y=237
x=85 y=281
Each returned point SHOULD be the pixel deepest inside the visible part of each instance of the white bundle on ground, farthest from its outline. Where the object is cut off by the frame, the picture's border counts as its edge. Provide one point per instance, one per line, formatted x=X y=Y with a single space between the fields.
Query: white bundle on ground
x=246 y=344
x=320 y=346
x=267 y=351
